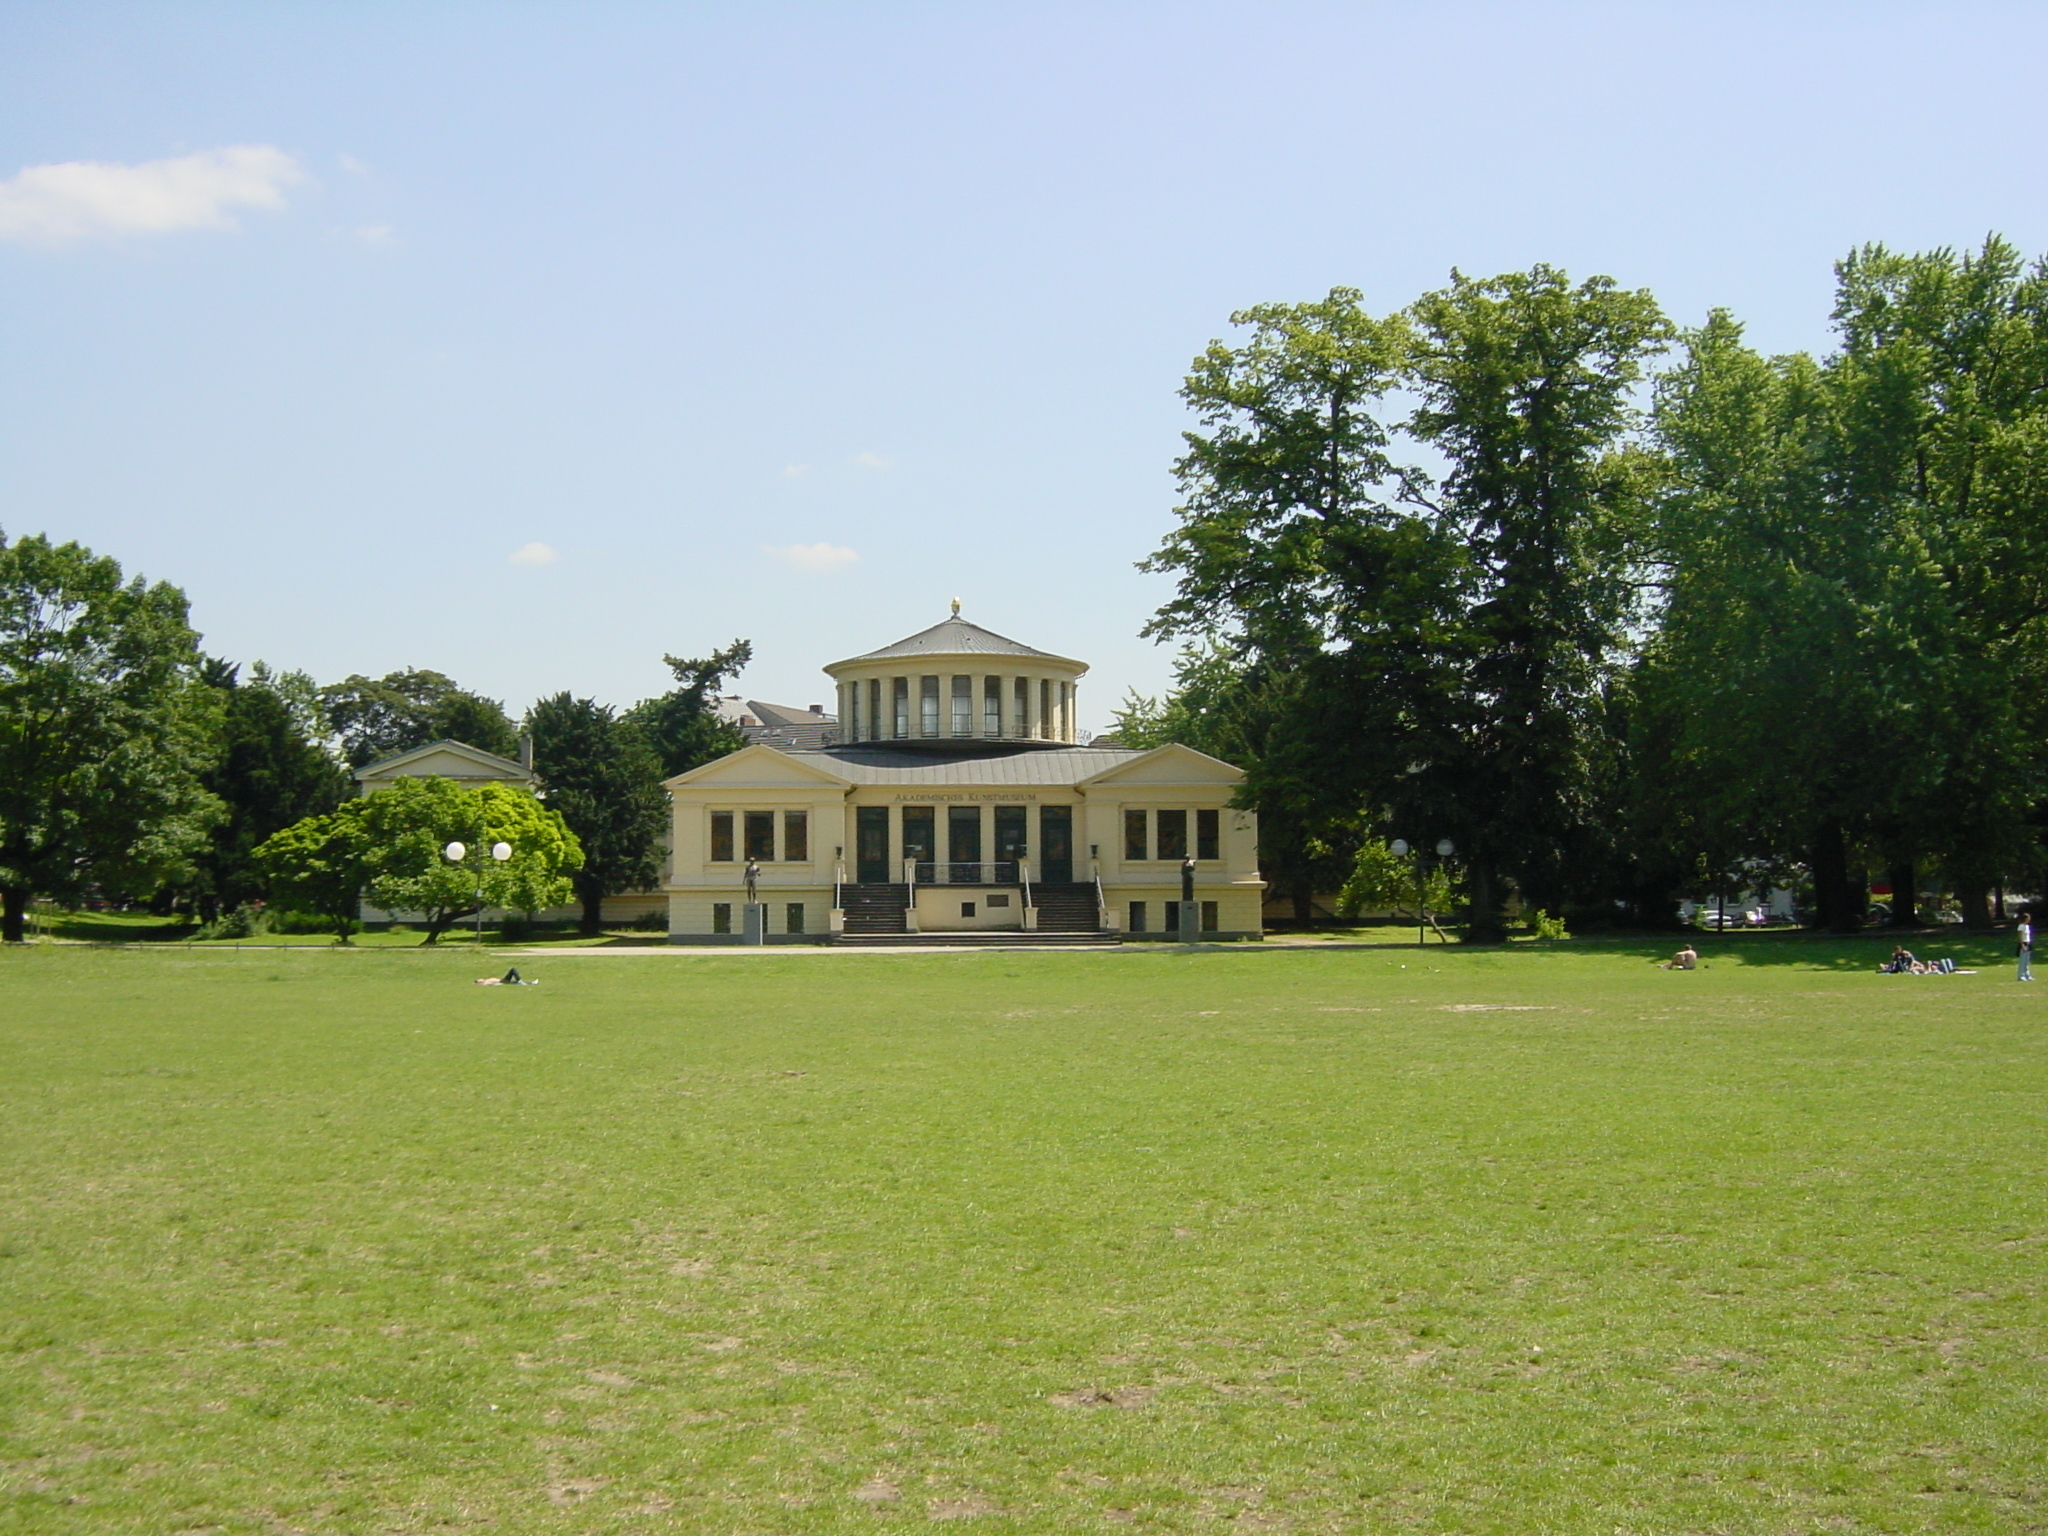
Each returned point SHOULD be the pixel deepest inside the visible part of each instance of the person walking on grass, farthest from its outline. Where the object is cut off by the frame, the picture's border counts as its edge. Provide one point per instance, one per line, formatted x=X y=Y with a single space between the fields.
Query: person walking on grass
x=2026 y=936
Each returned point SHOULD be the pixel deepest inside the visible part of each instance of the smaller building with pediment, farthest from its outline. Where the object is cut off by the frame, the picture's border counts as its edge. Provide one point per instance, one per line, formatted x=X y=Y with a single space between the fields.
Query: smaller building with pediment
x=958 y=802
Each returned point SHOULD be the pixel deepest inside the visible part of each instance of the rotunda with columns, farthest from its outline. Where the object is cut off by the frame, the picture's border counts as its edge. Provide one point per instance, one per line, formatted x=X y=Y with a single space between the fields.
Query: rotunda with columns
x=959 y=805
x=957 y=684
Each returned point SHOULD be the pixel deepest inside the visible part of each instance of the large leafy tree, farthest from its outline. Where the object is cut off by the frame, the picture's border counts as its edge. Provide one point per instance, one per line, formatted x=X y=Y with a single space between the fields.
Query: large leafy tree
x=320 y=865
x=1316 y=587
x=600 y=775
x=407 y=827
x=1851 y=652
x=681 y=726
x=268 y=773
x=105 y=729
x=1527 y=383
x=377 y=717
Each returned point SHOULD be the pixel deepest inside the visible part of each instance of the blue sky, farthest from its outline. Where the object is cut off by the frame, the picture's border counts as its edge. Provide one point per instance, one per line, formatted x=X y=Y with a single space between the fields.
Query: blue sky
x=528 y=342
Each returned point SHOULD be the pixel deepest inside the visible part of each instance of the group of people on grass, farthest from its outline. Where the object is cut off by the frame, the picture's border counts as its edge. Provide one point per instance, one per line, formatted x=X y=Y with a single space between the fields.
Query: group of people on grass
x=1903 y=961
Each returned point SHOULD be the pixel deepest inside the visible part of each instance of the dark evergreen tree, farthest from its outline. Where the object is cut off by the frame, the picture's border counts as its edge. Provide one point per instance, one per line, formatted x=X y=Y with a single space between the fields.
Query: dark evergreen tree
x=599 y=774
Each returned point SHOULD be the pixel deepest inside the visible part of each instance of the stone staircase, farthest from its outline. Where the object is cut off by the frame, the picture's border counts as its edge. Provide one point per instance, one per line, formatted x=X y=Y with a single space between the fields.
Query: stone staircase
x=1065 y=909
x=874 y=911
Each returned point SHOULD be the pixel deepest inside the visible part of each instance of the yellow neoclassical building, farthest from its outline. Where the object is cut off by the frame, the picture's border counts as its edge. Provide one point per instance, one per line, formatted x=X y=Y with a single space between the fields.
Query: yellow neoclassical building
x=958 y=805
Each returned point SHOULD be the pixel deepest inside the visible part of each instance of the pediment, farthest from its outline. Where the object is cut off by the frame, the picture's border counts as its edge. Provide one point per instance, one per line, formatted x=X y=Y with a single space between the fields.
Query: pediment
x=755 y=767
x=1170 y=764
x=446 y=760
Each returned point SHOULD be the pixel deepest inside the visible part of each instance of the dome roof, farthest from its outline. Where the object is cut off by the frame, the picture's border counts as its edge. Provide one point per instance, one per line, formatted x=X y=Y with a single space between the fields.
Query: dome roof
x=954 y=637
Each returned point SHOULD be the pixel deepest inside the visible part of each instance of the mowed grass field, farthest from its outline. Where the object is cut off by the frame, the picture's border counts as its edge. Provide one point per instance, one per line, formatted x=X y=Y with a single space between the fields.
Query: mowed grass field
x=1147 y=1240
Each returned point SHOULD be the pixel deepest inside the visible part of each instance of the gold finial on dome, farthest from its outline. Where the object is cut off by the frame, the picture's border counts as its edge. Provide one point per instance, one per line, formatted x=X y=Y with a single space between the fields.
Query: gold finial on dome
x=956 y=607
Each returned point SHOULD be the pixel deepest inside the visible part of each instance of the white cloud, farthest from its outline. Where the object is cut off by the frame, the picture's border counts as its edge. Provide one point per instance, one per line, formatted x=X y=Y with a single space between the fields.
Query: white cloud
x=871 y=461
x=55 y=204
x=811 y=557
x=534 y=554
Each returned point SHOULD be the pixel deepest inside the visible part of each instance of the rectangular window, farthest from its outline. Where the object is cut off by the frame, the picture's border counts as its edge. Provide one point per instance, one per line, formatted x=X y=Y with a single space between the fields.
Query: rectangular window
x=761 y=836
x=967 y=909
x=721 y=837
x=902 y=690
x=998 y=899
x=1173 y=917
x=1173 y=835
x=1134 y=835
x=991 y=706
x=963 y=706
x=1045 y=725
x=874 y=707
x=1208 y=834
x=1023 y=706
x=721 y=917
x=1137 y=917
x=795 y=916
x=928 y=706
x=796 y=836
x=1208 y=917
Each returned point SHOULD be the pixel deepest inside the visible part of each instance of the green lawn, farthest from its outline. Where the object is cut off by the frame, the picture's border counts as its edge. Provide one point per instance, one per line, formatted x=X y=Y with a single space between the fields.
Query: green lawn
x=1354 y=1241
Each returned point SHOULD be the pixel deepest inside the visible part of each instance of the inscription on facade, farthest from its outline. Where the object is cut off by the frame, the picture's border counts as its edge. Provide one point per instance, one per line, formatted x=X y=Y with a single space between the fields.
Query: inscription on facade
x=906 y=799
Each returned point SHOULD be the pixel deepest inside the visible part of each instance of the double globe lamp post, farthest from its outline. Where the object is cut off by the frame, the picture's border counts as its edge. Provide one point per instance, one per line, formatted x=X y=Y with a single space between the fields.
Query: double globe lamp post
x=458 y=853
x=1444 y=849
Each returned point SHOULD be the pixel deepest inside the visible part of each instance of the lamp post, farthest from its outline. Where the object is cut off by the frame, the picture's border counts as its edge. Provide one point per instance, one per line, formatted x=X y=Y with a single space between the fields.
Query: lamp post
x=458 y=853
x=1444 y=849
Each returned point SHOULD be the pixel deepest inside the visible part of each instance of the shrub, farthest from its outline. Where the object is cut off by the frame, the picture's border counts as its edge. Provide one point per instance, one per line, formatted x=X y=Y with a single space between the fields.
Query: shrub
x=1547 y=926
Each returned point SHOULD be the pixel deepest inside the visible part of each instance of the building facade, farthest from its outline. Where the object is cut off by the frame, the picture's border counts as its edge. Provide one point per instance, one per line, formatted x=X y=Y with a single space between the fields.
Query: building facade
x=958 y=799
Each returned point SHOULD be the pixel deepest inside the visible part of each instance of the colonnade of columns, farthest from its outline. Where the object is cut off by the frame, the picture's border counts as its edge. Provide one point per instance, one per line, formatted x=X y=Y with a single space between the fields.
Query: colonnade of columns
x=956 y=706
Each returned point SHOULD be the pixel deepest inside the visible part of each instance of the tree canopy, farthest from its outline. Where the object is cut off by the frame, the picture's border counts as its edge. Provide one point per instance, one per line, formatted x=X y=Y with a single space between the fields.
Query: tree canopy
x=378 y=717
x=105 y=729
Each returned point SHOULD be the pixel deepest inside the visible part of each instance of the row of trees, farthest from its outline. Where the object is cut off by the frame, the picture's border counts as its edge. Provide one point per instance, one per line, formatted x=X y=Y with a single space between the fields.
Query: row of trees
x=1625 y=611
x=133 y=765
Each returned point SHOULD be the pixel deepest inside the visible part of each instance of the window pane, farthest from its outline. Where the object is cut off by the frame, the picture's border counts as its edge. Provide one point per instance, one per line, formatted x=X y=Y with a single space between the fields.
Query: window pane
x=721 y=836
x=796 y=917
x=1137 y=917
x=874 y=720
x=1173 y=834
x=1208 y=834
x=796 y=836
x=1022 y=725
x=992 y=706
x=761 y=836
x=928 y=706
x=963 y=706
x=1010 y=832
x=1208 y=917
x=1134 y=835
x=721 y=917
x=902 y=686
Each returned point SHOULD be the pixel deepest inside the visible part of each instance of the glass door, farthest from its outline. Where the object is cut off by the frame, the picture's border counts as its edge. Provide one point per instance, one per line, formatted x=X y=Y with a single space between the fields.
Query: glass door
x=1056 y=844
x=871 y=844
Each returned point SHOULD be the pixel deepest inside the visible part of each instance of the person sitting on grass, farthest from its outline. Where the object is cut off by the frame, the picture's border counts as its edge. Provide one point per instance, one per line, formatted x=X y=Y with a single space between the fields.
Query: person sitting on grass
x=1900 y=964
x=1686 y=959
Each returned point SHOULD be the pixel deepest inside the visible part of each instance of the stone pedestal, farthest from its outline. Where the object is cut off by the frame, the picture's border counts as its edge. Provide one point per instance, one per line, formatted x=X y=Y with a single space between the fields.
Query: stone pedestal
x=756 y=923
x=1191 y=922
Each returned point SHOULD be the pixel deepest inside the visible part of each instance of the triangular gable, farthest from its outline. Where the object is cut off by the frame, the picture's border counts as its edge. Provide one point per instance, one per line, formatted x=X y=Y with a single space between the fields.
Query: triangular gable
x=757 y=765
x=447 y=759
x=1170 y=764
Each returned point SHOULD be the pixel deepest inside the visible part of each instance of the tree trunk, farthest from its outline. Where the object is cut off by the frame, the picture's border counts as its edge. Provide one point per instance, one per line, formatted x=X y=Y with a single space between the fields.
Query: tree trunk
x=593 y=910
x=1974 y=897
x=1905 y=902
x=1830 y=865
x=1484 y=925
x=13 y=912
